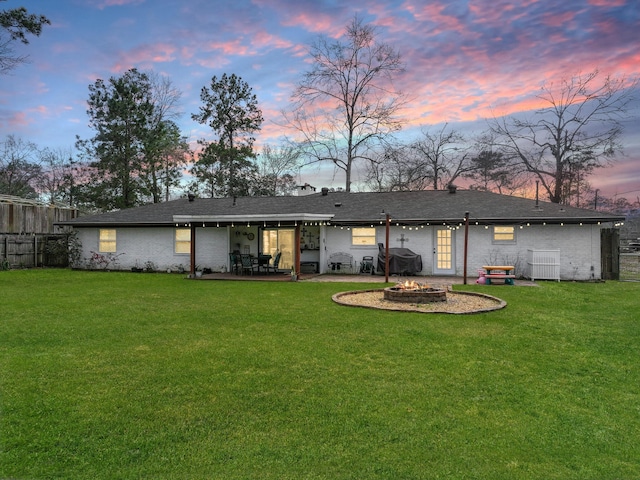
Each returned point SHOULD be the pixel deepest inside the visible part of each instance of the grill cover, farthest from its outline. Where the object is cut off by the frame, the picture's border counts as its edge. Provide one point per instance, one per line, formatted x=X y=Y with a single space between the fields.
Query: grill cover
x=402 y=261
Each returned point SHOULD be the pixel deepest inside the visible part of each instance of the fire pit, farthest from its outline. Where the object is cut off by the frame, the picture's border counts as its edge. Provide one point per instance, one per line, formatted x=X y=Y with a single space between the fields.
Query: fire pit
x=413 y=292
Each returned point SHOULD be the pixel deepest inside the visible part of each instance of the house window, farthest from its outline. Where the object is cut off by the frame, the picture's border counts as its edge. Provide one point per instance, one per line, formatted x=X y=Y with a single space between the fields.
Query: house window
x=363 y=236
x=183 y=240
x=107 y=240
x=504 y=234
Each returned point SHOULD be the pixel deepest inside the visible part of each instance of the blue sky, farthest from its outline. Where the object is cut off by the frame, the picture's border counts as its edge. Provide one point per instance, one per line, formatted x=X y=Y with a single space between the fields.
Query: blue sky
x=466 y=60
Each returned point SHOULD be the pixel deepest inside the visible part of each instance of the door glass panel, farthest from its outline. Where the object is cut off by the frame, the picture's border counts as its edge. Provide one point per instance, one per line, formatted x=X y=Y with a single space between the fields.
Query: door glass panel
x=444 y=250
x=280 y=240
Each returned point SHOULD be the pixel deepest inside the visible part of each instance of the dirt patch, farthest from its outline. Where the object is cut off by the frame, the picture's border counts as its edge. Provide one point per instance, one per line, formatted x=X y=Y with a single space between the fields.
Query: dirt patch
x=457 y=302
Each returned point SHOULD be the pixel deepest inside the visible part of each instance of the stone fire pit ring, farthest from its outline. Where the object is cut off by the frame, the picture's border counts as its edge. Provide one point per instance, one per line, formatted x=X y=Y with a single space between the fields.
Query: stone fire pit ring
x=417 y=295
x=457 y=302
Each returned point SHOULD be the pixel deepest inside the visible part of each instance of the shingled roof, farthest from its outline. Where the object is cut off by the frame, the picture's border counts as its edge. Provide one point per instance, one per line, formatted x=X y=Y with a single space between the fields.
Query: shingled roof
x=427 y=206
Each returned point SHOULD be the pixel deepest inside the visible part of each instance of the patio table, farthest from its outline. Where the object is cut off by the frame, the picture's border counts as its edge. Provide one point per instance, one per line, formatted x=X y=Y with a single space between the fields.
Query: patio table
x=261 y=261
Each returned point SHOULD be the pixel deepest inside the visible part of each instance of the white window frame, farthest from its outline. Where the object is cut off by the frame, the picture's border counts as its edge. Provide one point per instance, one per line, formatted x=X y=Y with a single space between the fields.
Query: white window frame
x=107 y=240
x=180 y=242
x=363 y=236
x=503 y=234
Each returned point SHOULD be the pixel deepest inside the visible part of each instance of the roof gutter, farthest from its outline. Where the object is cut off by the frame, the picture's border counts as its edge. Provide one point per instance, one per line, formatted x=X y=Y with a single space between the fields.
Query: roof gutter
x=287 y=217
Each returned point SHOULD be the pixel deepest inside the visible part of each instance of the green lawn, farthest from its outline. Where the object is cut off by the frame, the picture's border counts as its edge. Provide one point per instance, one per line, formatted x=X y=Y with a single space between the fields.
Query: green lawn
x=110 y=375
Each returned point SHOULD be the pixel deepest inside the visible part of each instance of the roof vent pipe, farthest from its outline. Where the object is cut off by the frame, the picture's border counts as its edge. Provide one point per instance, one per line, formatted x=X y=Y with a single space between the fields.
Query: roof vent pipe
x=191 y=196
x=452 y=188
x=325 y=191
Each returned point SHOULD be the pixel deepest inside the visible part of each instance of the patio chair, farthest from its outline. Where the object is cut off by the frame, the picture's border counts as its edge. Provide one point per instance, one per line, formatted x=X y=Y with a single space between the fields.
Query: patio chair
x=247 y=263
x=366 y=266
x=276 y=261
x=235 y=262
x=274 y=267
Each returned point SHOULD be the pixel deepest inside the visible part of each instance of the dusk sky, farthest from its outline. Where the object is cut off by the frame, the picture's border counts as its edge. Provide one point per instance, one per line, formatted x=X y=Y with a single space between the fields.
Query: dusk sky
x=465 y=60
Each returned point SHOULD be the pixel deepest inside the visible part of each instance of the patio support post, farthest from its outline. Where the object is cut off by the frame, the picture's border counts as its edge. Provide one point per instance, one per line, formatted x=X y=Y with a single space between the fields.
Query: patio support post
x=298 y=252
x=192 y=252
x=386 y=250
x=466 y=243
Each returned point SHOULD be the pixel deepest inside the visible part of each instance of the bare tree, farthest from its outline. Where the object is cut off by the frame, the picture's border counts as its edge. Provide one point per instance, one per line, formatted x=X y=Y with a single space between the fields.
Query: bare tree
x=165 y=150
x=442 y=156
x=54 y=184
x=346 y=101
x=492 y=170
x=577 y=133
x=395 y=168
x=19 y=168
x=277 y=167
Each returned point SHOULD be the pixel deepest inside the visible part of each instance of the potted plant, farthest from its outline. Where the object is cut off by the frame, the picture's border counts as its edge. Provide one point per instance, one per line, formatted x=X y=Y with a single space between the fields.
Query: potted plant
x=137 y=268
x=294 y=275
x=149 y=266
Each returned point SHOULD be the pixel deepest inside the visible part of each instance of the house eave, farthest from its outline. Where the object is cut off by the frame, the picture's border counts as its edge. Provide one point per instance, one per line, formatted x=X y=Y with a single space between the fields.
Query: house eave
x=286 y=217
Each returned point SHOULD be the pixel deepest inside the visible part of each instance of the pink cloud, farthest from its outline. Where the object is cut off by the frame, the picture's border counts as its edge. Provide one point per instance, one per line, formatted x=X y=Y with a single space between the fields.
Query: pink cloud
x=434 y=14
x=102 y=4
x=314 y=23
x=607 y=3
x=557 y=20
x=18 y=120
x=266 y=39
x=621 y=179
x=145 y=56
x=233 y=47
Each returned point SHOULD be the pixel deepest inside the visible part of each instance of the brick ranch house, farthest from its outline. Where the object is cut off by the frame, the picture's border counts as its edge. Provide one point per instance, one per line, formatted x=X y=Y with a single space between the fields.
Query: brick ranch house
x=308 y=228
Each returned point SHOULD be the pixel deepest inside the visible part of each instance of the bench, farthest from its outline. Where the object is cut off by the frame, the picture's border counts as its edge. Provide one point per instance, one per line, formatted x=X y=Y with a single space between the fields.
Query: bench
x=340 y=262
x=508 y=279
x=499 y=272
x=309 y=267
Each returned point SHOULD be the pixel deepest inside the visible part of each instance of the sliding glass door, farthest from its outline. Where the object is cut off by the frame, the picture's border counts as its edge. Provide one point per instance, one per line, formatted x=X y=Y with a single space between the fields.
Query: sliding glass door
x=280 y=240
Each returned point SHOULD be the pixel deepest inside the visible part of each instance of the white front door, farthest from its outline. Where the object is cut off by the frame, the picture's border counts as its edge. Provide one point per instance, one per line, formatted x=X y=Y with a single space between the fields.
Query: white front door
x=443 y=253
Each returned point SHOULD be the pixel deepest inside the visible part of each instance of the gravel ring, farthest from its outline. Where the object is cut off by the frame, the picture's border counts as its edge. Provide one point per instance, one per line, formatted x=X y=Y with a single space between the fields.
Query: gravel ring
x=458 y=303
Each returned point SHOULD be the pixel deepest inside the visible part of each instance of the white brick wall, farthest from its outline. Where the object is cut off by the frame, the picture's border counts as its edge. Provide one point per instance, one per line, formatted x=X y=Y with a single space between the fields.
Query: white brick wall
x=579 y=247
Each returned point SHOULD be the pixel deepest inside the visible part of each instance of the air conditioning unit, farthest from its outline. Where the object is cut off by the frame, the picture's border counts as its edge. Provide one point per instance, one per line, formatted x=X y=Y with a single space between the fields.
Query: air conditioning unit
x=543 y=264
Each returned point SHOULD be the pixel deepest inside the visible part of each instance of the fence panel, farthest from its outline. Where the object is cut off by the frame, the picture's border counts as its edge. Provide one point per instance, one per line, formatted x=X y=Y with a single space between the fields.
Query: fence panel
x=28 y=251
x=630 y=267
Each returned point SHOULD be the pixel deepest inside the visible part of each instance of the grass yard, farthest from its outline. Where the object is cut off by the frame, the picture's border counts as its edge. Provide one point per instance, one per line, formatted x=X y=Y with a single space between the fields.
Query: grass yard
x=112 y=375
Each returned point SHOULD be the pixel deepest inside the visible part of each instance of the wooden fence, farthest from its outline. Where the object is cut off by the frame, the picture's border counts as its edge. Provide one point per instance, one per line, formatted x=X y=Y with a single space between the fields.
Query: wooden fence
x=30 y=217
x=38 y=250
x=630 y=267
